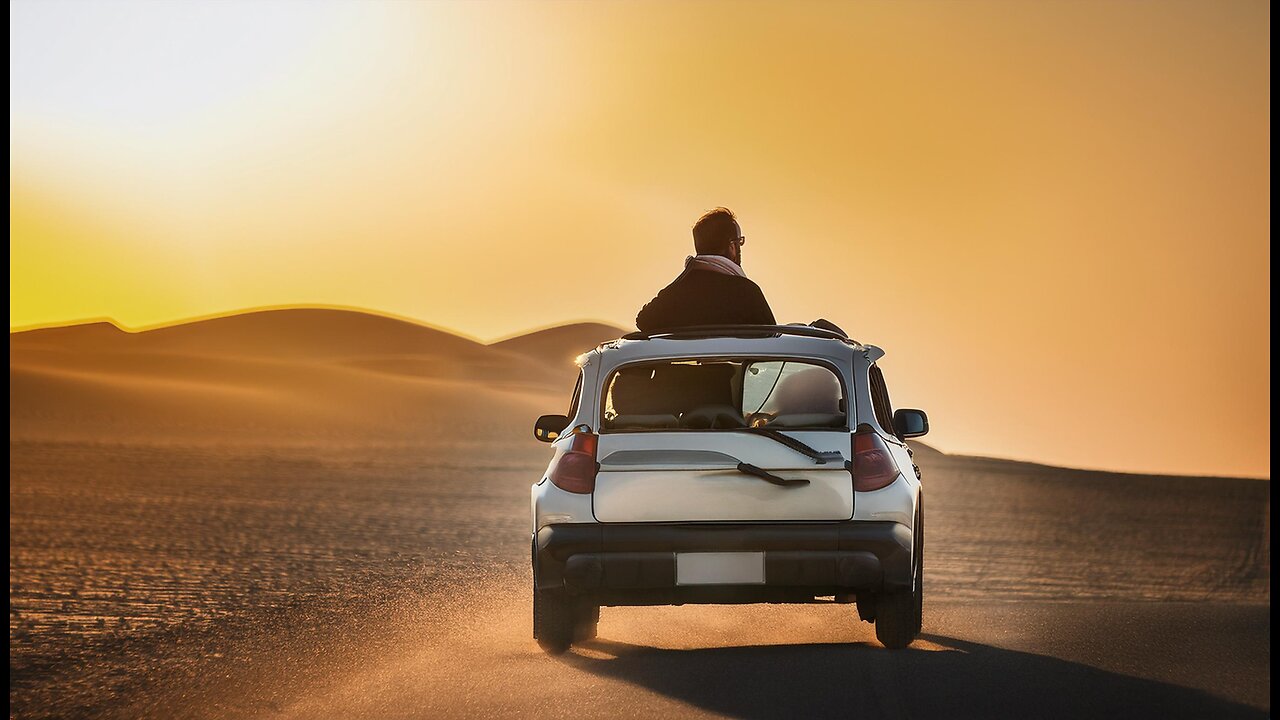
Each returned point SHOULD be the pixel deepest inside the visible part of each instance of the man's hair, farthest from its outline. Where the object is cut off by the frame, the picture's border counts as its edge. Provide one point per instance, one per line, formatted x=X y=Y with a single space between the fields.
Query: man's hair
x=714 y=231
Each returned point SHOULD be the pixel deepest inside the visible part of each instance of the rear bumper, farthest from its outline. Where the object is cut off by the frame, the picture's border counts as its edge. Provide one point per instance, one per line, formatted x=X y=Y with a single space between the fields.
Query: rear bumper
x=635 y=563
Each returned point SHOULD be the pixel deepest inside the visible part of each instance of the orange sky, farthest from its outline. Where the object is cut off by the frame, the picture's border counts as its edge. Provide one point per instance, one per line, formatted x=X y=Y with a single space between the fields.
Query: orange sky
x=1054 y=216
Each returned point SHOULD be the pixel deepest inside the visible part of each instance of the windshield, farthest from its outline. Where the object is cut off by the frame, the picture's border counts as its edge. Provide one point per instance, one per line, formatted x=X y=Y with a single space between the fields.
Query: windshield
x=724 y=394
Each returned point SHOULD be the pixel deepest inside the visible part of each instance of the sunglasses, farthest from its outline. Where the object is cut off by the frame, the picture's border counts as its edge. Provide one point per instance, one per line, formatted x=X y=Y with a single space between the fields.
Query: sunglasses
x=740 y=240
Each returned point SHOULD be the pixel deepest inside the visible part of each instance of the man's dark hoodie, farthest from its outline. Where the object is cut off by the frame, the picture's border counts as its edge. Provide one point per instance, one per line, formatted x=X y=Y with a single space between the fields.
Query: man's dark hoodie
x=705 y=297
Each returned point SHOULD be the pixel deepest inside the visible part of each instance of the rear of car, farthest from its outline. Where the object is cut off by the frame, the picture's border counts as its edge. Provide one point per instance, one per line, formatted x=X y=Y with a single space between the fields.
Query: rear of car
x=726 y=470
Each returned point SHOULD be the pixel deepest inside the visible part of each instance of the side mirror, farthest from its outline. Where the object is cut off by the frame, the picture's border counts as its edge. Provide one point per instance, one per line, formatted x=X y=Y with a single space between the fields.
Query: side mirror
x=549 y=427
x=910 y=423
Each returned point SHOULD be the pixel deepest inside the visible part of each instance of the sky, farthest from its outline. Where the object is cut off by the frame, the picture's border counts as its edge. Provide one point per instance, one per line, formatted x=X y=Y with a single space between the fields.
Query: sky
x=1054 y=216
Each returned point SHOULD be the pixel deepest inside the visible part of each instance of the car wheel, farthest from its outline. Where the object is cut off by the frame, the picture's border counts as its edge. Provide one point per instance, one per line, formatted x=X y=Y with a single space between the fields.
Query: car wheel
x=895 y=626
x=900 y=616
x=866 y=604
x=919 y=569
x=554 y=620
x=586 y=621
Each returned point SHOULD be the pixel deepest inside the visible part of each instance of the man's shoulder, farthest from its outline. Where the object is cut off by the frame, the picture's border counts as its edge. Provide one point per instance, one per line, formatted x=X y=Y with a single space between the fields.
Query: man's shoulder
x=710 y=277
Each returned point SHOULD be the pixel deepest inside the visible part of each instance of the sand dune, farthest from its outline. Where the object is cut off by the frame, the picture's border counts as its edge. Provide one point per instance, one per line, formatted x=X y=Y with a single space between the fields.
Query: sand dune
x=311 y=334
x=282 y=376
x=561 y=344
x=299 y=332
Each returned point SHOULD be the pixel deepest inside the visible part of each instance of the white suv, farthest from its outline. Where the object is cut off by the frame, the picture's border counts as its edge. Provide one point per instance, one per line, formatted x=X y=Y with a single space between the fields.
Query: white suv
x=743 y=464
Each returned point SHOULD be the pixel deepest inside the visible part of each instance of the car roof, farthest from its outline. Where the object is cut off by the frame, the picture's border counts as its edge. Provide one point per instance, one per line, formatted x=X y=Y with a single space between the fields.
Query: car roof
x=763 y=341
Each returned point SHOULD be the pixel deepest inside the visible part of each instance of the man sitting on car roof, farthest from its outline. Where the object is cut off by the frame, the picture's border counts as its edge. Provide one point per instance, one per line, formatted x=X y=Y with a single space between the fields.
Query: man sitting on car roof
x=713 y=289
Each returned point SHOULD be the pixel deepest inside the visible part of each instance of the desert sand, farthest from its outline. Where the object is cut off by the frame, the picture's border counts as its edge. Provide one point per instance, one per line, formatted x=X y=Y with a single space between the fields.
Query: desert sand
x=319 y=513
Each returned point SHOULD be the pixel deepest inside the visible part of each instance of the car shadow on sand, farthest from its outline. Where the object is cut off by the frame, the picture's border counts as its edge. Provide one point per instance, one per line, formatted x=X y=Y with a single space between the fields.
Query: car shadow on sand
x=936 y=677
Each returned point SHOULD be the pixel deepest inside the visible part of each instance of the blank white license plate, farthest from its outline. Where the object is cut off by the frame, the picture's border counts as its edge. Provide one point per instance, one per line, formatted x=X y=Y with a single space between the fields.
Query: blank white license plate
x=722 y=568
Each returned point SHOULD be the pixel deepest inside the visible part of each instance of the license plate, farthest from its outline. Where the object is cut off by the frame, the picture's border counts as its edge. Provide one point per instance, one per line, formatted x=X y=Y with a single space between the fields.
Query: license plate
x=722 y=568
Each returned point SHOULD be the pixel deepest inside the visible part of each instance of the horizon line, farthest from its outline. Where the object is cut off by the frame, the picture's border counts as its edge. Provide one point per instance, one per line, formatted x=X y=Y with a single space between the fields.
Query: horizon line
x=421 y=323
x=57 y=324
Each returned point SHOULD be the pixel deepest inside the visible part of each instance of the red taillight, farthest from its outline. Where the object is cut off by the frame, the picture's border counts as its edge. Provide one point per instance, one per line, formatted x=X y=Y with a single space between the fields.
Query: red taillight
x=575 y=471
x=873 y=466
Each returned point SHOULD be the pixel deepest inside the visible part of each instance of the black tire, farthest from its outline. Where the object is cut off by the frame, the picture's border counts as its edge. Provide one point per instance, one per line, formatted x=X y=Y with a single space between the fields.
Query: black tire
x=586 y=621
x=866 y=604
x=919 y=569
x=553 y=620
x=895 y=620
x=900 y=616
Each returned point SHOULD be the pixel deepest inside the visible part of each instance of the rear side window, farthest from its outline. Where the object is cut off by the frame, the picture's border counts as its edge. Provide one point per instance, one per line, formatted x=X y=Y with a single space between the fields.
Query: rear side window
x=880 y=399
x=577 y=397
x=724 y=394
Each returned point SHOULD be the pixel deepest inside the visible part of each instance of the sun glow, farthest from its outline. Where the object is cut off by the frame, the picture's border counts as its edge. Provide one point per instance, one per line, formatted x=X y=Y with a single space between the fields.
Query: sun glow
x=1032 y=211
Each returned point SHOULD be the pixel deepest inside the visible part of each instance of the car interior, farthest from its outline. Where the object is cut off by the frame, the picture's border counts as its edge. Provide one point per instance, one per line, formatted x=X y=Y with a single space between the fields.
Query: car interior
x=723 y=395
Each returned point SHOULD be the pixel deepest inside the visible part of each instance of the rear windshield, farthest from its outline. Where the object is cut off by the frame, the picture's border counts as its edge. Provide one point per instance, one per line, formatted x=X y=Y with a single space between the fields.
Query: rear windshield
x=724 y=395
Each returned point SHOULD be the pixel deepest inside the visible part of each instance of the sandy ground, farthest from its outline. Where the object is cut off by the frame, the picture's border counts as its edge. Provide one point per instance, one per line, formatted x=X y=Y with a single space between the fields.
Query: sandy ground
x=201 y=533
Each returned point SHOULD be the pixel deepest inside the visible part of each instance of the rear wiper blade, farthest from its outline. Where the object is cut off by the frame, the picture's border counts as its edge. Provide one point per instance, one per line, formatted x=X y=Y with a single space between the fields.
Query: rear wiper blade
x=819 y=456
x=767 y=476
